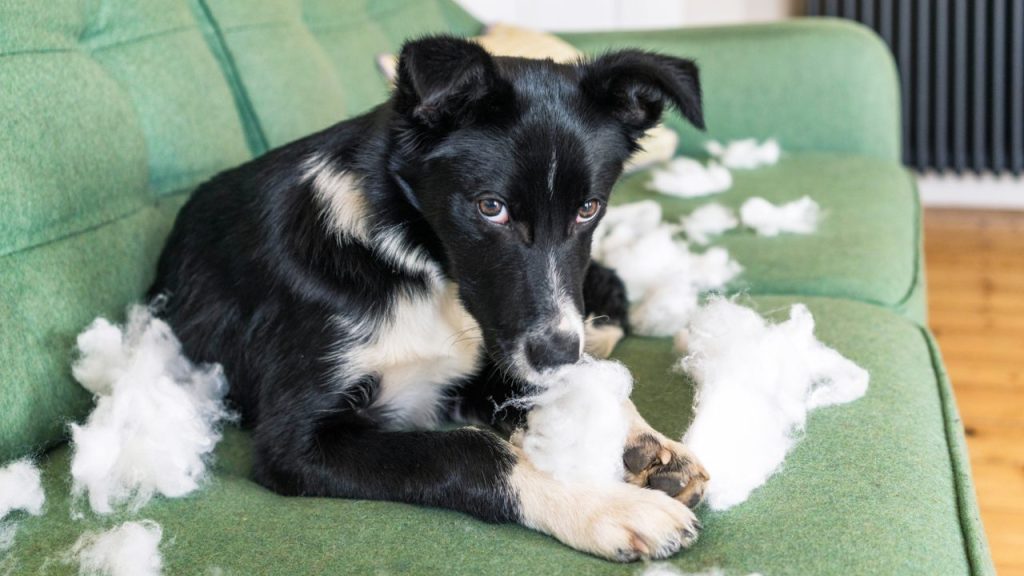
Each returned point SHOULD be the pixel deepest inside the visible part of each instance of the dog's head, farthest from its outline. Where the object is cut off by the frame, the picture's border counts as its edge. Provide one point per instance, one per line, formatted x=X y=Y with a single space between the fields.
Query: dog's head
x=511 y=162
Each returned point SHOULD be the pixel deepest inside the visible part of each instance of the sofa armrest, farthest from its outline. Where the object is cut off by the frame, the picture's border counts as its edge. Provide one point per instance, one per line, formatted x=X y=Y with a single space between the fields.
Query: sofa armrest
x=815 y=84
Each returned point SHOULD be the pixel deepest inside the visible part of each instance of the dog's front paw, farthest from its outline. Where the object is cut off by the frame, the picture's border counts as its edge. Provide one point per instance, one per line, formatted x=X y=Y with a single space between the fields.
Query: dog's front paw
x=653 y=461
x=636 y=524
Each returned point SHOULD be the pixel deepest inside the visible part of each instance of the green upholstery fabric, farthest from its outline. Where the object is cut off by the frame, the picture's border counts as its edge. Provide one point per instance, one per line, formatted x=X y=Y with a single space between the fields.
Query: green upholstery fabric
x=303 y=65
x=104 y=106
x=47 y=295
x=869 y=490
x=865 y=248
x=111 y=110
x=815 y=84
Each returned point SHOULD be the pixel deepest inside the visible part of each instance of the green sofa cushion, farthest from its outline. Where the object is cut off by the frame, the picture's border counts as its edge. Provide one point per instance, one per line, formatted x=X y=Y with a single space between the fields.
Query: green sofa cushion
x=48 y=294
x=118 y=85
x=814 y=83
x=866 y=247
x=301 y=65
x=878 y=486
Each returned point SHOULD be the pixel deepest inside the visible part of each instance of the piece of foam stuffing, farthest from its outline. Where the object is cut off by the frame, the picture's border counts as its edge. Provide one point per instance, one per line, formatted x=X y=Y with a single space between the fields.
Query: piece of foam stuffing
x=577 y=425
x=745 y=154
x=666 y=569
x=157 y=416
x=663 y=278
x=756 y=382
x=20 y=489
x=707 y=221
x=689 y=178
x=131 y=549
x=767 y=219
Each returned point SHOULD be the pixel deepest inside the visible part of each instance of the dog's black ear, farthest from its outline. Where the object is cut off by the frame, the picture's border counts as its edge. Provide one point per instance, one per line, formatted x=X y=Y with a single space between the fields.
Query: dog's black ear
x=443 y=80
x=635 y=86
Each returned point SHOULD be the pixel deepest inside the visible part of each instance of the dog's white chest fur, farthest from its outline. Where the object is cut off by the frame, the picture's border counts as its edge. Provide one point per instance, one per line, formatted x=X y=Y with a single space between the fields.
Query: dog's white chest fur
x=429 y=343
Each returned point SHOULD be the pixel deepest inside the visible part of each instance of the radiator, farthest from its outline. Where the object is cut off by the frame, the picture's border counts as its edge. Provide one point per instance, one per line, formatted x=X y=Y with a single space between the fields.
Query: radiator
x=961 y=65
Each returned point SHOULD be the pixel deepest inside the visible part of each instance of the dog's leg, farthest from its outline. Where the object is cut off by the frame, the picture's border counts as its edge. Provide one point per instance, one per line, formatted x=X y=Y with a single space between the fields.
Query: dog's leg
x=473 y=471
x=606 y=308
x=655 y=461
x=616 y=521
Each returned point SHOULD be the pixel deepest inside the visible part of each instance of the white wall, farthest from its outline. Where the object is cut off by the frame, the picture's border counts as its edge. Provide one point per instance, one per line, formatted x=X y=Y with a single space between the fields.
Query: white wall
x=565 y=15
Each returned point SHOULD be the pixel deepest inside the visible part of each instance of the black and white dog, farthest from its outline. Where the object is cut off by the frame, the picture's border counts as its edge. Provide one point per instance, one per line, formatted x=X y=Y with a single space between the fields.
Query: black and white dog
x=417 y=265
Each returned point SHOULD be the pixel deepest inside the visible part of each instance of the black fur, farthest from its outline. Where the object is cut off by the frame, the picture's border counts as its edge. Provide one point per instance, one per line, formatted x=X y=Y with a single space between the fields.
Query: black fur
x=258 y=277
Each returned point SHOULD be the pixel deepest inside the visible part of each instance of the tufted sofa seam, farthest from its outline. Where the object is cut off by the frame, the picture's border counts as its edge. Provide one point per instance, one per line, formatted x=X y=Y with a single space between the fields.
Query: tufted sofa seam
x=215 y=40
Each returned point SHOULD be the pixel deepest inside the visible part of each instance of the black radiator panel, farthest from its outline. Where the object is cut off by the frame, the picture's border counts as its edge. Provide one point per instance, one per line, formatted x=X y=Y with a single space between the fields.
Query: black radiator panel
x=961 y=65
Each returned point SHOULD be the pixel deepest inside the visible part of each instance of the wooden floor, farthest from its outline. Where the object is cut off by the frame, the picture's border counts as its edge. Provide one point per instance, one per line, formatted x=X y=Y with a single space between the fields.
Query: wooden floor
x=975 y=267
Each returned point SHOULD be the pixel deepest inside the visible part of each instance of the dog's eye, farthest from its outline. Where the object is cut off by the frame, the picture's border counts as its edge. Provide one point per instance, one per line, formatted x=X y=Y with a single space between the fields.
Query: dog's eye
x=493 y=210
x=588 y=210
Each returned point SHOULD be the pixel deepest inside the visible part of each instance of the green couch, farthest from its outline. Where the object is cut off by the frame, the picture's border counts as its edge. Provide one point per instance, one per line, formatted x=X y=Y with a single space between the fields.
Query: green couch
x=112 y=111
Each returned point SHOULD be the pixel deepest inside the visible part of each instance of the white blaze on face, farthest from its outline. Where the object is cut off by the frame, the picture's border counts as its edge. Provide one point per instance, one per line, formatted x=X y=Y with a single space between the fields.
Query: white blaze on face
x=569 y=318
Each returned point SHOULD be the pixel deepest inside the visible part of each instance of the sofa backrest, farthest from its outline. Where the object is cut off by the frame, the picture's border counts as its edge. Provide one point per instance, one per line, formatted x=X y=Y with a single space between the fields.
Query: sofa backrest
x=111 y=111
x=300 y=65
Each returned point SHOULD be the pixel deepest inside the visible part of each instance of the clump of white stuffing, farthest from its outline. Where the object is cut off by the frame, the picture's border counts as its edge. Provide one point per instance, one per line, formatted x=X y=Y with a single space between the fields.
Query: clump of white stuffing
x=767 y=219
x=756 y=382
x=21 y=488
x=157 y=417
x=745 y=154
x=131 y=549
x=689 y=178
x=707 y=221
x=577 y=425
x=663 y=278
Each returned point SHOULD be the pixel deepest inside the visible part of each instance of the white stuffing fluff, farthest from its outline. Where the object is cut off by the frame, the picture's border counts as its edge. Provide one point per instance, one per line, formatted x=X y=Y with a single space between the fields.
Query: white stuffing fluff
x=756 y=382
x=767 y=219
x=577 y=425
x=21 y=488
x=157 y=417
x=663 y=278
x=707 y=221
x=131 y=549
x=689 y=178
x=666 y=569
x=745 y=154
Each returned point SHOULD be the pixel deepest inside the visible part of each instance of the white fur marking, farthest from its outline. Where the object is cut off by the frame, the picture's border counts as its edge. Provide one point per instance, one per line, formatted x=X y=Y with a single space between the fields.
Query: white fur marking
x=350 y=215
x=552 y=166
x=342 y=198
x=428 y=343
x=569 y=318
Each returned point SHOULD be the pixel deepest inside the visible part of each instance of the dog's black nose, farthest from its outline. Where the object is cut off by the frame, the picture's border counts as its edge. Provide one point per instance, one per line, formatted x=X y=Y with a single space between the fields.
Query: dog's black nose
x=552 y=349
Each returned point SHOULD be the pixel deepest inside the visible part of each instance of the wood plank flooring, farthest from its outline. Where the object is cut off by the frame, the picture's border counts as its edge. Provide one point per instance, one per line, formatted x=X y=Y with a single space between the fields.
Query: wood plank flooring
x=975 y=269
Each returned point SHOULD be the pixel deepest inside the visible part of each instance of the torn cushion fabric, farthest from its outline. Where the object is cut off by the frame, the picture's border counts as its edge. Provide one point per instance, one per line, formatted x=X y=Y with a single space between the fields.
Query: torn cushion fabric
x=869 y=489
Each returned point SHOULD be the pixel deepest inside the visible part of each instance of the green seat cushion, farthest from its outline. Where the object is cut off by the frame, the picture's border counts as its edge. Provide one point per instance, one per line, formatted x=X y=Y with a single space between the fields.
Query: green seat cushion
x=879 y=486
x=866 y=247
x=299 y=66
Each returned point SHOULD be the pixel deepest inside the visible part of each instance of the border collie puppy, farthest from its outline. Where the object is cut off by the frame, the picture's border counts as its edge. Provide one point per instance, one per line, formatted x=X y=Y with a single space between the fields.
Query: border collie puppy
x=418 y=265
